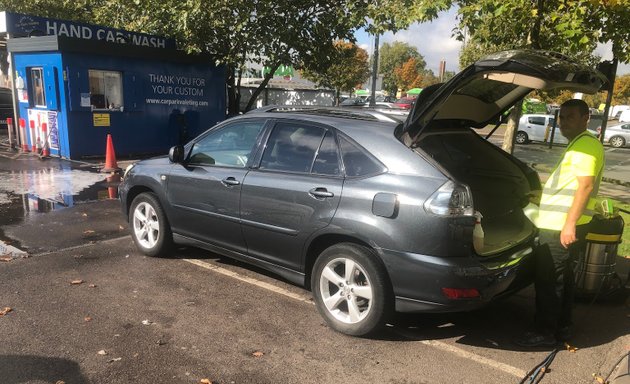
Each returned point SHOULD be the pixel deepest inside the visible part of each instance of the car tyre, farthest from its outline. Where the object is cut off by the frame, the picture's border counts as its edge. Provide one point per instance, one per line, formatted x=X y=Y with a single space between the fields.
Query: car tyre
x=521 y=137
x=351 y=289
x=617 y=141
x=150 y=228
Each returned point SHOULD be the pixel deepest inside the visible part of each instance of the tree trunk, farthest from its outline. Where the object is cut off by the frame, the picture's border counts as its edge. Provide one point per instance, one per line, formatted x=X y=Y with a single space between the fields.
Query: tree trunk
x=262 y=86
x=337 y=93
x=535 y=33
x=512 y=127
x=233 y=93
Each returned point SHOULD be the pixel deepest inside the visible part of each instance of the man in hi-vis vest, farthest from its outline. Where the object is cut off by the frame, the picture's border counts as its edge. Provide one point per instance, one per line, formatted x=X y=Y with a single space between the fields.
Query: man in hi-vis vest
x=566 y=207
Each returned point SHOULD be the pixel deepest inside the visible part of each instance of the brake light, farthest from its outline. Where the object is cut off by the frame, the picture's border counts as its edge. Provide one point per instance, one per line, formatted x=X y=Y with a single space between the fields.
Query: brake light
x=457 y=293
x=451 y=200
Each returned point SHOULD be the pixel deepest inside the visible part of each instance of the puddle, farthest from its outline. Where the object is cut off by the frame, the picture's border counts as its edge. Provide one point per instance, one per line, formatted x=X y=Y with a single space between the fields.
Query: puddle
x=28 y=192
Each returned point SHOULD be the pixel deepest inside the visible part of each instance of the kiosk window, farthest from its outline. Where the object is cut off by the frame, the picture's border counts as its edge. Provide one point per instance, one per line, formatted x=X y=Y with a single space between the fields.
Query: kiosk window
x=105 y=89
x=37 y=83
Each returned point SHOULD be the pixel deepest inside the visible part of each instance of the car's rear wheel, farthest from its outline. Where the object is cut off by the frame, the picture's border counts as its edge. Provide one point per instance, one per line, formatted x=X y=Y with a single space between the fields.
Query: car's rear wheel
x=351 y=289
x=149 y=226
x=617 y=141
x=521 y=138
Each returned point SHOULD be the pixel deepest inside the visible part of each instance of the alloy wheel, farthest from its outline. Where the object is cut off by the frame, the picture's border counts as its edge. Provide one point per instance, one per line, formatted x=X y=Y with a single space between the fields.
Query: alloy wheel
x=346 y=290
x=146 y=225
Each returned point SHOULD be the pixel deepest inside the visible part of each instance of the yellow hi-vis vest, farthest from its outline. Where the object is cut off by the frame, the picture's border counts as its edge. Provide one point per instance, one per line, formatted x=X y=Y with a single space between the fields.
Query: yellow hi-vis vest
x=584 y=156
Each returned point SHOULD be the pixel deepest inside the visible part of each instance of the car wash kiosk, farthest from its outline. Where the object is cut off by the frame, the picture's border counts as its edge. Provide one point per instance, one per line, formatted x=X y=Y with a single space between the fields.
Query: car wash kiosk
x=75 y=83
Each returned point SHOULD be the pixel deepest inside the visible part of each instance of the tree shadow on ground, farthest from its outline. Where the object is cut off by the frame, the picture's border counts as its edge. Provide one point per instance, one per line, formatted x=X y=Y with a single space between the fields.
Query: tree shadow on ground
x=16 y=369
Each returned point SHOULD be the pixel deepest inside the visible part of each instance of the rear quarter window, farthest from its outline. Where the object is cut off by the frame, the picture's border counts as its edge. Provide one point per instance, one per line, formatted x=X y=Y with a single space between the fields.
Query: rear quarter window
x=356 y=161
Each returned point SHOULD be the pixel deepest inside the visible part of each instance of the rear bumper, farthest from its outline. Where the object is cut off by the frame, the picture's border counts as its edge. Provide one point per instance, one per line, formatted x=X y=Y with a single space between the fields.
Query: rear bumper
x=418 y=279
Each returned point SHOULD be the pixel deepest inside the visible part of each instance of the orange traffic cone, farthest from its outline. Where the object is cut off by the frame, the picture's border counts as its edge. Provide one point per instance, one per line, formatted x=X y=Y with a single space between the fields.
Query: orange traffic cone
x=110 y=157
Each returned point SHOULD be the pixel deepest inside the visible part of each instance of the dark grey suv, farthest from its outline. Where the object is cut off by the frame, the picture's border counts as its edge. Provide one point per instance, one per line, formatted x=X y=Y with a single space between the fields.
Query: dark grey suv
x=372 y=214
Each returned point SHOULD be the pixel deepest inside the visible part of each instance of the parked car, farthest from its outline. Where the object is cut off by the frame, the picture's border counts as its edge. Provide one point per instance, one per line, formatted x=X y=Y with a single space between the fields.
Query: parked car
x=617 y=135
x=353 y=102
x=371 y=214
x=405 y=102
x=537 y=127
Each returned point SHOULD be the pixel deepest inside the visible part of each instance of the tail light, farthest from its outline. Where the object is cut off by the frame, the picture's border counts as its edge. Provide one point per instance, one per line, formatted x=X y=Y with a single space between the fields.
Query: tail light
x=458 y=293
x=451 y=199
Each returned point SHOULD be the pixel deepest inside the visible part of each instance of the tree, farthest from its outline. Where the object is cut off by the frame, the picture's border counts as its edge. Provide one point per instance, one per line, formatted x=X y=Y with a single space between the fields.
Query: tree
x=393 y=56
x=408 y=75
x=348 y=67
x=621 y=92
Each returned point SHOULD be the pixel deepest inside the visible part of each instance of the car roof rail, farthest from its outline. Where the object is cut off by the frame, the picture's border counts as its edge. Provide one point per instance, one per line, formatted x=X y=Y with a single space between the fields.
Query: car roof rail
x=348 y=113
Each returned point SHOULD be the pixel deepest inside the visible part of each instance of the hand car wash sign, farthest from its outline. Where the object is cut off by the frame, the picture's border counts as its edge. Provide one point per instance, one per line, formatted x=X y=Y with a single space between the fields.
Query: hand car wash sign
x=19 y=25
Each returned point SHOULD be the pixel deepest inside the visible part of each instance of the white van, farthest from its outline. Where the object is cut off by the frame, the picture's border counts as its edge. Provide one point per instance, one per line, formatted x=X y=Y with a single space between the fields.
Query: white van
x=537 y=127
x=624 y=117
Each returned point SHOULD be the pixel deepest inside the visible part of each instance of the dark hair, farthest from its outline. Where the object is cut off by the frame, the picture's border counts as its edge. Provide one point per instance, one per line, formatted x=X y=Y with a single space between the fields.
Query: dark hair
x=577 y=103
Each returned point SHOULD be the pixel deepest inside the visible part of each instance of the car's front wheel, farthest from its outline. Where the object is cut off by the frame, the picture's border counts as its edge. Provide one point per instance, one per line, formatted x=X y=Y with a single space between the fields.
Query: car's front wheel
x=351 y=289
x=521 y=138
x=617 y=141
x=149 y=226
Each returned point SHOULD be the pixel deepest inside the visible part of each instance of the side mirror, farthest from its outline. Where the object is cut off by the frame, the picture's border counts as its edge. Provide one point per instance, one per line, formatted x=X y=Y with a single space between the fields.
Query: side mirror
x=176 y=154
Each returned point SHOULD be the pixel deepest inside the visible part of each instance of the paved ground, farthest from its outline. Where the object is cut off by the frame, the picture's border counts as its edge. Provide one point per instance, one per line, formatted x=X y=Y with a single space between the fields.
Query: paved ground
x=197 y=315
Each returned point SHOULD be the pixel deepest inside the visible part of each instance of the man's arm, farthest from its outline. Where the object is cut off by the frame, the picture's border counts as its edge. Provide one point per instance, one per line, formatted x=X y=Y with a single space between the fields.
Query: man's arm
x=586 y=185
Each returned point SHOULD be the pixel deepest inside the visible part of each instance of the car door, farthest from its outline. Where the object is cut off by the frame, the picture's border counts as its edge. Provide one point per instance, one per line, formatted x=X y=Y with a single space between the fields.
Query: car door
x=205 y=190
x=293 y=192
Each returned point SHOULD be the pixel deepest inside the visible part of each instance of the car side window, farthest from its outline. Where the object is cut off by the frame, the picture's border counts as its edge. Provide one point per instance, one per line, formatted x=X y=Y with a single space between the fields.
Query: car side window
x=327 y=160
x=292 y=147
x=229 y=146
x=626 y=126
x=537 y=120
x=356 y=162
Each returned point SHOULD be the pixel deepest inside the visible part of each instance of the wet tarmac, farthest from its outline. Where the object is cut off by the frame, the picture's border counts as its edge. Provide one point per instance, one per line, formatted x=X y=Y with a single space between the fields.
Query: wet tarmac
x=30 y=186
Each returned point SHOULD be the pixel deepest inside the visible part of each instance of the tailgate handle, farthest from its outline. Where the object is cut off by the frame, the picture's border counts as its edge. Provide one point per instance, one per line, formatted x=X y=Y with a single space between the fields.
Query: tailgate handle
x=230 y=181
x=320 y=192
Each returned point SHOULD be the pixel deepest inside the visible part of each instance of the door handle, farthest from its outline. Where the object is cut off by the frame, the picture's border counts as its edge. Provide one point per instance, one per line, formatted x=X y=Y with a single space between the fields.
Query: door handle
x=320 y=192
x=230 y=181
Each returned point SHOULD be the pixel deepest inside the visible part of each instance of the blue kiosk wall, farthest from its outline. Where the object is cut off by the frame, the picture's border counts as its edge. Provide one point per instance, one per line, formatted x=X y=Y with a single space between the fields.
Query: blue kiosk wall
x=168 y=97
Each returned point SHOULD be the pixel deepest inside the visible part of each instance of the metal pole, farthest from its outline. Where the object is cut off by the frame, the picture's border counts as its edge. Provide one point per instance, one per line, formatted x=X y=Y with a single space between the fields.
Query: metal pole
x=374 y=72
x=613 y=72
x=553 y=128
x=14 y=99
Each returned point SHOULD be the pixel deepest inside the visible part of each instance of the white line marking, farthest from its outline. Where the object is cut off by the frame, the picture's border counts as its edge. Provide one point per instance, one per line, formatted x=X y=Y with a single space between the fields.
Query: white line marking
x=477 y=358
x=468 y=355
x=249 y=280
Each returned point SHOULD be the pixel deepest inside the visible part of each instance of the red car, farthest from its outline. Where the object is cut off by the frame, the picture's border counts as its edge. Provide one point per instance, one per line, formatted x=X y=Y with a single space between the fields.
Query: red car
x=405 y=102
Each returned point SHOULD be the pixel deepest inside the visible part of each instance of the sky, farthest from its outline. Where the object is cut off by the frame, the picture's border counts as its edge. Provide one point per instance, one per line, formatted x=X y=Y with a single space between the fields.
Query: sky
x=434 y=42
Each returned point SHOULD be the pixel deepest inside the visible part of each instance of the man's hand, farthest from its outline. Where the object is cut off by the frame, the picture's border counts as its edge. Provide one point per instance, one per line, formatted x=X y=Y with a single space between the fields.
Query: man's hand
x=568 y=236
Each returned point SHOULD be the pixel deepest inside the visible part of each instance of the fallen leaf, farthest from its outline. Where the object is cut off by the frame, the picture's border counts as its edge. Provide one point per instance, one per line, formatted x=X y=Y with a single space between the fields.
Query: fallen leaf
x=60 y=382
x=25 y=256
x=6 y=259
x=205 y=381
x=115 y=359
x=599 y=379
x=92 y=285
x=102 y=352
x=88 y=232
x=5 y=310
x=121 y=227
x=570 y=348
x=76 y=282
x=87 y=318
x=147 y=322
x=84 y=214
x=258 y=354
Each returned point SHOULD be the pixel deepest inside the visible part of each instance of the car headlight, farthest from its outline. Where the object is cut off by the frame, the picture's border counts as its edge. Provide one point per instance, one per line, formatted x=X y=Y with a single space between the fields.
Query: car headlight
x=127 y=170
